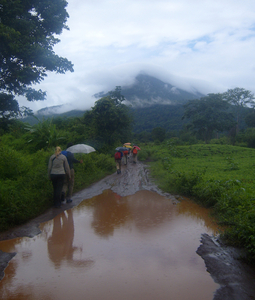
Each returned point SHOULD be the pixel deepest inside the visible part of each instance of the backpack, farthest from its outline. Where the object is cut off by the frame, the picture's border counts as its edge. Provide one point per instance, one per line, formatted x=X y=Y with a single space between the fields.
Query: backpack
x=134 y=151
x=117 y=155
x=64 y=152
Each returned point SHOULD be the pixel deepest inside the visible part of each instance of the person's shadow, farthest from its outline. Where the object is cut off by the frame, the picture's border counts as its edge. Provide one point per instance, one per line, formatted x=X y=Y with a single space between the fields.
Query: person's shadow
x=60 y=243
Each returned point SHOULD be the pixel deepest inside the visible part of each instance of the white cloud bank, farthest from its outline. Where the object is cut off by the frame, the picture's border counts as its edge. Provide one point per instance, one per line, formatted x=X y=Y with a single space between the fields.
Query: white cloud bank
x=200 y=44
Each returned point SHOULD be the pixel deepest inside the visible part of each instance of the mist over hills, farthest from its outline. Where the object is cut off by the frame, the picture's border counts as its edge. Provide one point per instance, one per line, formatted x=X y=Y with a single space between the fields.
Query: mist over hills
x=152 y=101
x=148 y=91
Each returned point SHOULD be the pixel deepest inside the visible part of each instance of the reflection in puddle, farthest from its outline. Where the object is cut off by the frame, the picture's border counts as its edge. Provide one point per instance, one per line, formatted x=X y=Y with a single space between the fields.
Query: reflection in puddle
x=111 y=247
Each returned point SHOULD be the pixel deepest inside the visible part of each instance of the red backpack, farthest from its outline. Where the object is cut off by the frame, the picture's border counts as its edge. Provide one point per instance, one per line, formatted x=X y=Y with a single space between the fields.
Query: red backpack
x=117 y=155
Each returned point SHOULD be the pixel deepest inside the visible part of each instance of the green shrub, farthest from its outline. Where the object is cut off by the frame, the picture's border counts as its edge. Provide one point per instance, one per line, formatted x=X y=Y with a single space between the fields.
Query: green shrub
x=144 y=155
x=26 y=191
x=184 y=182
x=210 y=192
x=13 y=163
x=167 y=163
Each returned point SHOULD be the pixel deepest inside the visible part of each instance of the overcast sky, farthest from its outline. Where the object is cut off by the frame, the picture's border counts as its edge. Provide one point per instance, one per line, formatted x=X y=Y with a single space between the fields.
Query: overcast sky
x=208 y=45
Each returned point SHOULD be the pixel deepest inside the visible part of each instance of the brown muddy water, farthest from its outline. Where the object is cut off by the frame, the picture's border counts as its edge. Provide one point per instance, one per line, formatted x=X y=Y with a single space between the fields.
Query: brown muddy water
x=141 y=246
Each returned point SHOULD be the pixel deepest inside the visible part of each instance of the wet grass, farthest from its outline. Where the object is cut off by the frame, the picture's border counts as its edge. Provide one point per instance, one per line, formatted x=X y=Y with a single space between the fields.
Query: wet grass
x=221 y=177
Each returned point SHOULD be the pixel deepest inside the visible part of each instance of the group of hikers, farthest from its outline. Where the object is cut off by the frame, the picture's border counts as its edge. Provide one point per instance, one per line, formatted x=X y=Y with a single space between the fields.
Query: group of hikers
x=61 y=171
x=61 y=174
x=125 y=153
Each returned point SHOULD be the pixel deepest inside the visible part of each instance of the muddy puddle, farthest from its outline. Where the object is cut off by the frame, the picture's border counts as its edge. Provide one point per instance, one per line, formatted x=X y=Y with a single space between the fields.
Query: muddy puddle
x=111 y=247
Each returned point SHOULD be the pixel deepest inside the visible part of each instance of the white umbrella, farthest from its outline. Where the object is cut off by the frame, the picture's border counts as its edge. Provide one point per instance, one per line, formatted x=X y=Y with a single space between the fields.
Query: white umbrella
x=81 y=148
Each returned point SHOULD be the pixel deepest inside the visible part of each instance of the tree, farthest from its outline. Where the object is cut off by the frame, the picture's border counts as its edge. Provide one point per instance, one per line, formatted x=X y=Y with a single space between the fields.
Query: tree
x=27 y=37
x=116 y=95
x=239 y=98
x=208 y=114
x=44 y=134
x=111 y=120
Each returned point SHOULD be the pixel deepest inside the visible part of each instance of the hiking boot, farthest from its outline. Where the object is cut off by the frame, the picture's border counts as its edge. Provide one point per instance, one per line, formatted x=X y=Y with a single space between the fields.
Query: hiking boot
x=69 y=201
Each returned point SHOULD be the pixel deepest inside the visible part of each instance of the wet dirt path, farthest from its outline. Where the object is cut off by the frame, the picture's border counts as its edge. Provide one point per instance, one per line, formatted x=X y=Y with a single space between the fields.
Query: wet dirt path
x=112 y=247
x=128 y=240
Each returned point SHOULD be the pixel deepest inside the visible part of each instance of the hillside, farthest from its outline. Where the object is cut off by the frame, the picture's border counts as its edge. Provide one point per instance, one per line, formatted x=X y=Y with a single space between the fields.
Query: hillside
x=168 y=117
x=153 y=103
x=148 y=90
x=46 y=113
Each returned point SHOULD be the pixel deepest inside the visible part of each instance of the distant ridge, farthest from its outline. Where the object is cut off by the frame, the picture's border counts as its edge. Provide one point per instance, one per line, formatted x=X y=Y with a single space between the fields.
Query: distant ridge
x=148 y=90
x=51 y=110
x=145 y=92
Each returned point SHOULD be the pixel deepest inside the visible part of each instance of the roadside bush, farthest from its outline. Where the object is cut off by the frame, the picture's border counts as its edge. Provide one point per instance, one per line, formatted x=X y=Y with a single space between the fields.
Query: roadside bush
x=238 y=212
x=167 y=163
x=145 y=155
x=184 y=182
x=94 y=167
x=26 y=191
x=210 y=192
x=13 y=163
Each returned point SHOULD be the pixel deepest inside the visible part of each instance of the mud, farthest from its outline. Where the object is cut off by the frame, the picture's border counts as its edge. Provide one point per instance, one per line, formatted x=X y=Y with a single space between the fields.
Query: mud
x=235 y=278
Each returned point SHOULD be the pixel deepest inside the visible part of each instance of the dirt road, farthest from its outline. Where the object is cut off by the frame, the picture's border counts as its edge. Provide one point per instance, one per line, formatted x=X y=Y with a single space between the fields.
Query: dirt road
x=235 y=278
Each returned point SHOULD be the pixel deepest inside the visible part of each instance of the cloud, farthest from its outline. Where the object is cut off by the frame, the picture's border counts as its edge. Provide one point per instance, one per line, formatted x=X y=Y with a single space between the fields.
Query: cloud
x=203 y=45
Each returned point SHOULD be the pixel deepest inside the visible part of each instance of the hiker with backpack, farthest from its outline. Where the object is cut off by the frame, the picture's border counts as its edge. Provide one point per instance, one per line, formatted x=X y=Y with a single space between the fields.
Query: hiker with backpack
x=125 y=153
x=118 y=156
x=134 y=151
x=67 y=190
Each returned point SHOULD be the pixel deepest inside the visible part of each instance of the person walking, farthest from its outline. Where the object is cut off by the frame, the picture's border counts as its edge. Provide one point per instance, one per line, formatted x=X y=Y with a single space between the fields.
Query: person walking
x=67 y=191
x=134 y=151
x=118 y=156
x=125 y=153
x=58 y=169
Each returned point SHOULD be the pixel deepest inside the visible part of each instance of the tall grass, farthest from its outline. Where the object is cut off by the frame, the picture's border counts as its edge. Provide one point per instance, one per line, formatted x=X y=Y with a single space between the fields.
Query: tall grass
x=221 y=177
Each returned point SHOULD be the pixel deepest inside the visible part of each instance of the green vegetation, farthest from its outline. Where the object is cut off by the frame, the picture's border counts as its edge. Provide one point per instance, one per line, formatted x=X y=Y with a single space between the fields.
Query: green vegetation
x=25 y=190
x=217 y=176
x=208 y=115
x=168 y=117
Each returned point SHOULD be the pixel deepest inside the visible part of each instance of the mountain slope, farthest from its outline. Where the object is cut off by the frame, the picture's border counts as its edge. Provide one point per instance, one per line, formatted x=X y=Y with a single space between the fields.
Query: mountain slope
x=153 y=102
x=168 y=117
x=148 y=90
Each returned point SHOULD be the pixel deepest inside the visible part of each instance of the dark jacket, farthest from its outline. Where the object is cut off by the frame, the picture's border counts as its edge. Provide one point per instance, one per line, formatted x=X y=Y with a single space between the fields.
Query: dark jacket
x=70 y=158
